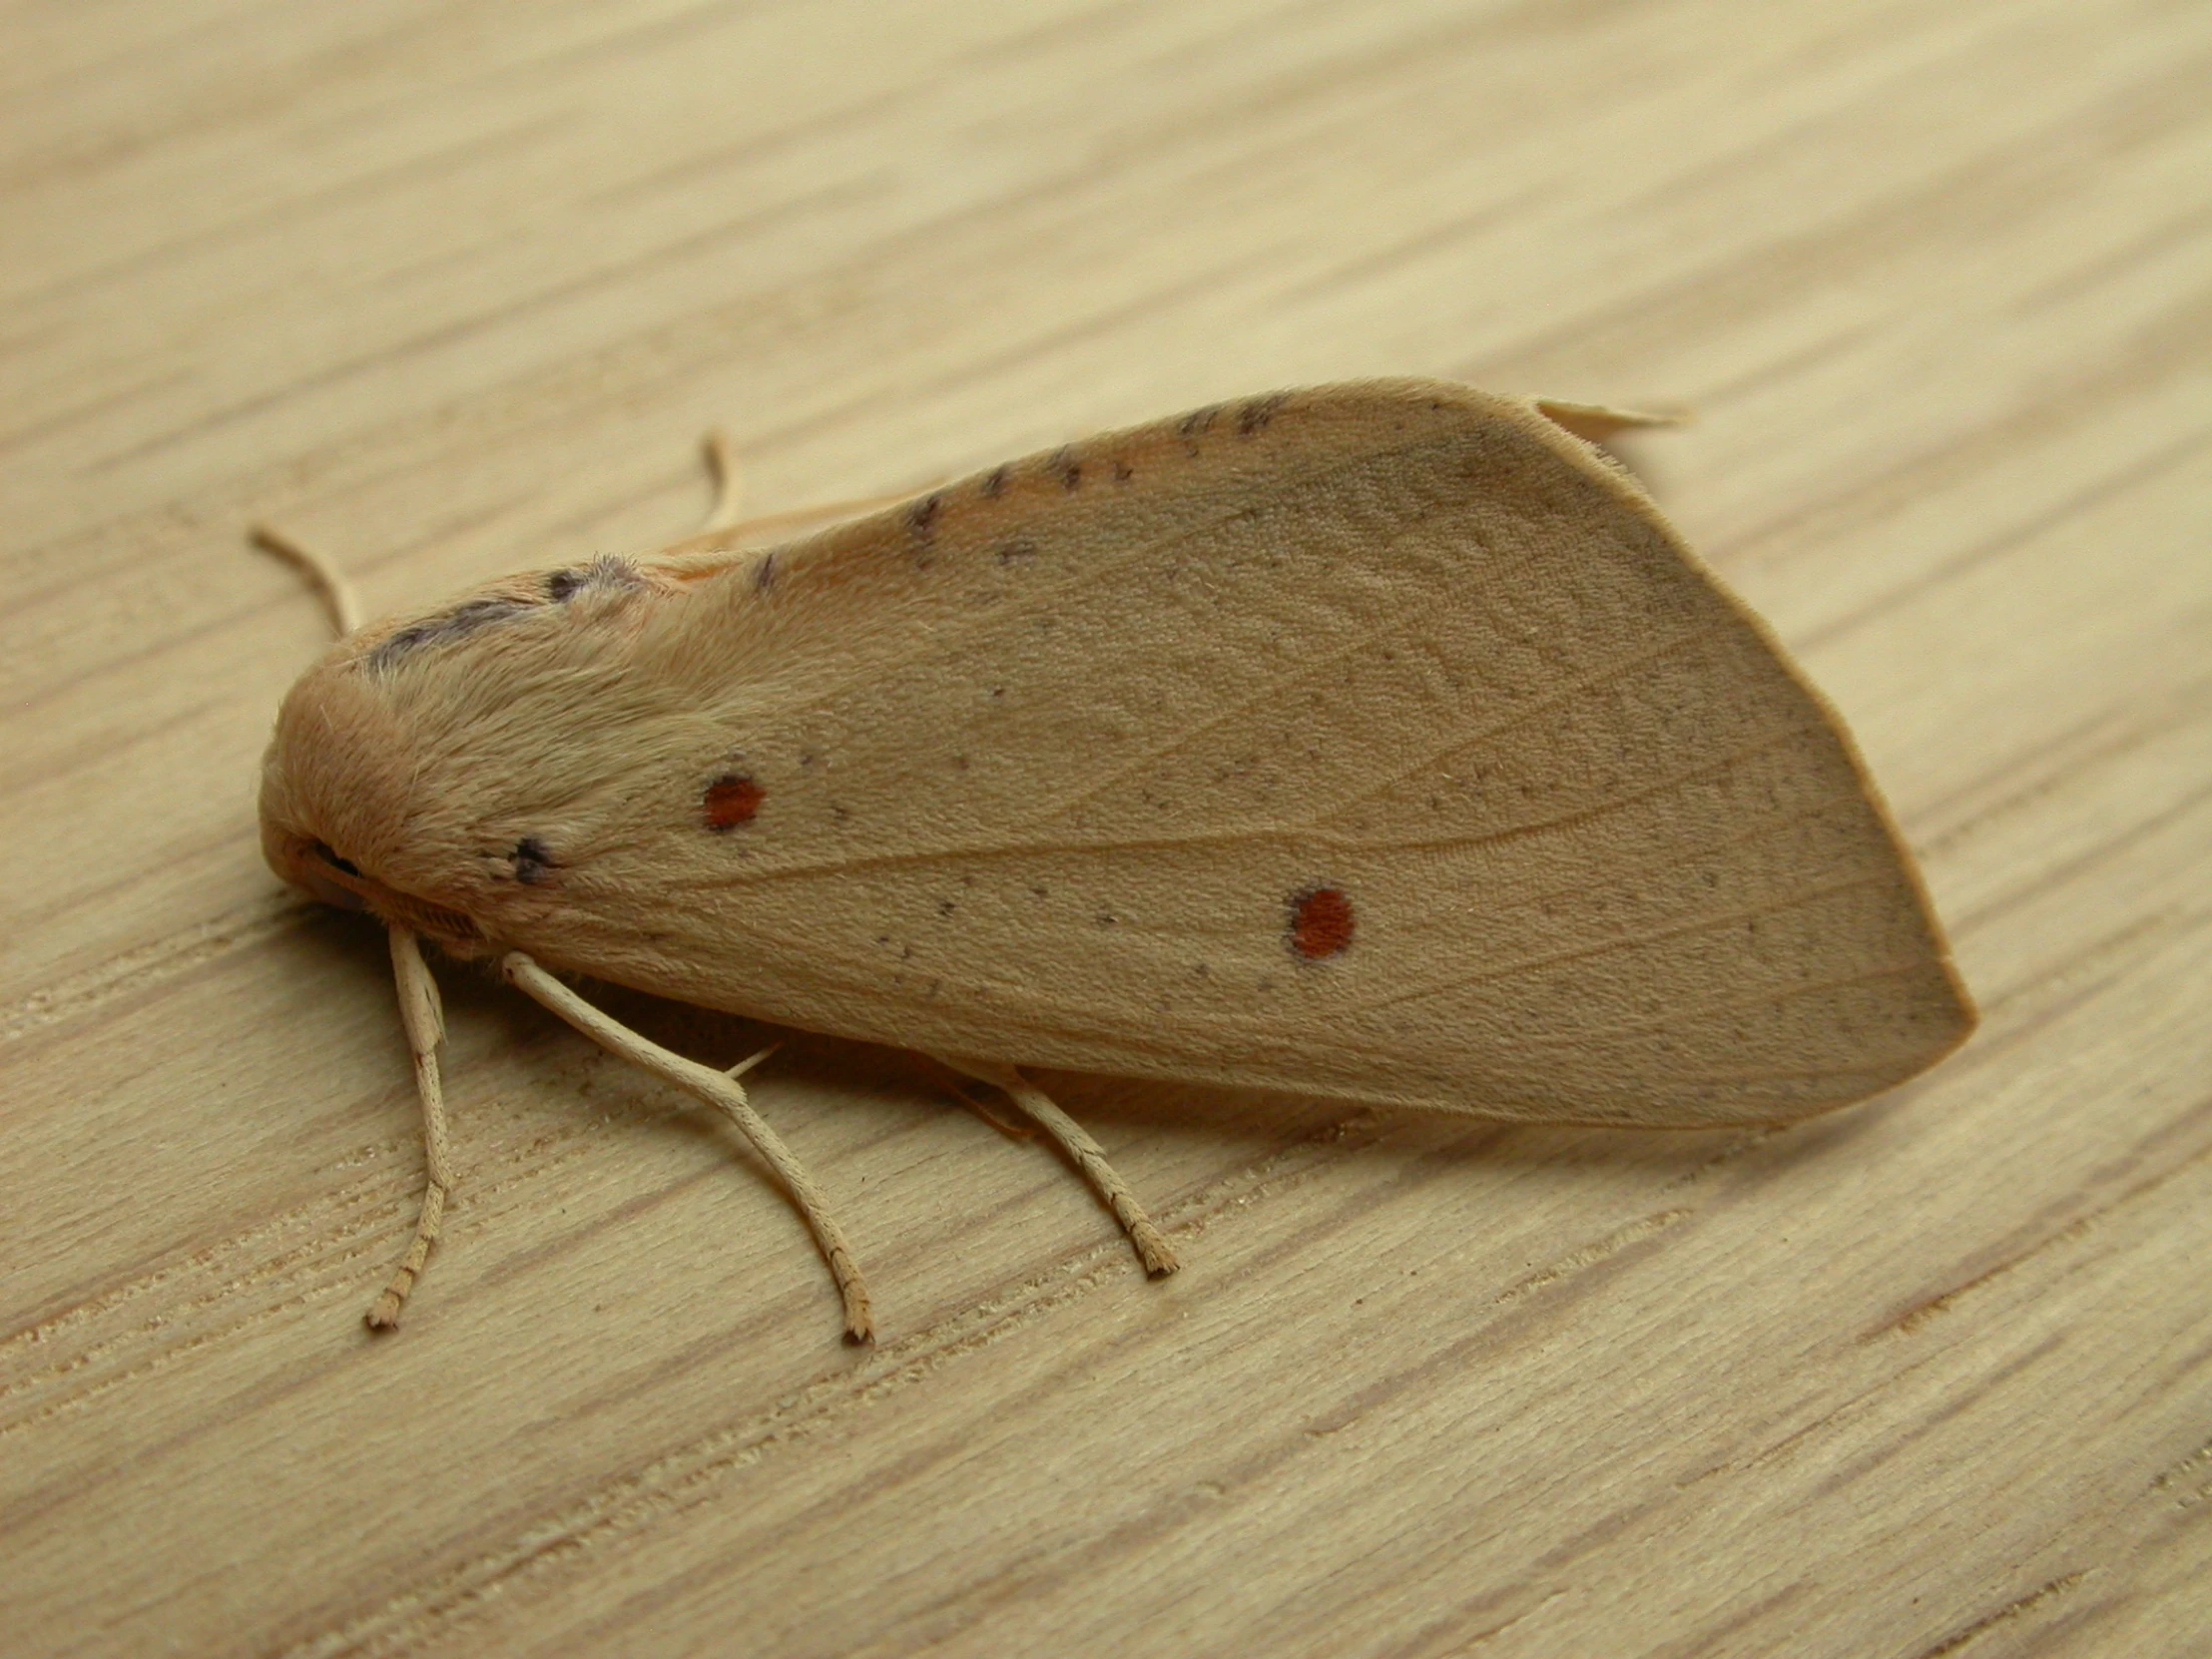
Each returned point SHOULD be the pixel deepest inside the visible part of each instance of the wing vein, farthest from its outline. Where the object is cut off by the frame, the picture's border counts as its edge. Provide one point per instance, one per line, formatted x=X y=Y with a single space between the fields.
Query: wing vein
x=1609 y=946
x=1267 y=832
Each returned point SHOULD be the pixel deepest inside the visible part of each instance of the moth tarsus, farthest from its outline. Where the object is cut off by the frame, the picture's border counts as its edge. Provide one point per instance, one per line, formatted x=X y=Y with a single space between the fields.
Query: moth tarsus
x=1151 y=1244
x=1597 y=424
x=1379 y=742
x=722 y=1091
x=728 y=481
x=423 y=1018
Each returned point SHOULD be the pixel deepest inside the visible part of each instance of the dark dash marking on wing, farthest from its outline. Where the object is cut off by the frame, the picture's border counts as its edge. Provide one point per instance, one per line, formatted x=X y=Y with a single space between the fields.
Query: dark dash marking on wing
x=1255 y=415
x=994 y=483
x=1066 y=468
x=921 y=519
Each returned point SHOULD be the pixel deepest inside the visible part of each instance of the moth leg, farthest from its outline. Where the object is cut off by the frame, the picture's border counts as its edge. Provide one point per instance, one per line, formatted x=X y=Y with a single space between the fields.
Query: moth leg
x=1594 y=422
x=424 y=1019
x=1012 y=1131
x=722 y=472
x=723 y=1092
x=1151 y=1244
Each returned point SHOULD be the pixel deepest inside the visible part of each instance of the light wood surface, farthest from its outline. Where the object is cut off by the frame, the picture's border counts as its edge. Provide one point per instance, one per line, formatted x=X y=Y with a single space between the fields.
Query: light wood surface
x=452 y=288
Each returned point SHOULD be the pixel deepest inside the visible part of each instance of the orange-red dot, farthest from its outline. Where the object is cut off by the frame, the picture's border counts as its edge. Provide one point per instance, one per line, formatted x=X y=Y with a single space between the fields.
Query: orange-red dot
x=732 y=800
x=1320 y=923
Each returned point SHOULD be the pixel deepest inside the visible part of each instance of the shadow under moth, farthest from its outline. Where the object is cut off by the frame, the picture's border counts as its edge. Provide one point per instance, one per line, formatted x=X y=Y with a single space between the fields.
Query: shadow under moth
x=1377 y=741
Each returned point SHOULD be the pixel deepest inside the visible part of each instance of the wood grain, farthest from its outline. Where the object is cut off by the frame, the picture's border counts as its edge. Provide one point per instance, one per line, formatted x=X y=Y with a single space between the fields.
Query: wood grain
x=450 y=288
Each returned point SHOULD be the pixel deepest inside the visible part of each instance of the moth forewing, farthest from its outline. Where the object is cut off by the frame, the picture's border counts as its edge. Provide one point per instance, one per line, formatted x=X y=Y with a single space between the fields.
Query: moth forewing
x=1378 y=742
x=1042 y=763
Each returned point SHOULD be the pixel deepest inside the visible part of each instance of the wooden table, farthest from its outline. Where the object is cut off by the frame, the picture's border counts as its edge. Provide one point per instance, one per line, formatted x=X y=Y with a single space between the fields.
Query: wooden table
x=450 y=288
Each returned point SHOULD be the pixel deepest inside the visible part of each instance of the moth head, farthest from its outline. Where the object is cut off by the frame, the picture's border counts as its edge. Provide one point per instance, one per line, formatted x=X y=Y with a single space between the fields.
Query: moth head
x=337 y=803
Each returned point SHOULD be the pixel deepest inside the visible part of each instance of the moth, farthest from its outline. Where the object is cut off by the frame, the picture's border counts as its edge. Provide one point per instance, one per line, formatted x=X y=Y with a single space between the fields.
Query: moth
x=1377 y=741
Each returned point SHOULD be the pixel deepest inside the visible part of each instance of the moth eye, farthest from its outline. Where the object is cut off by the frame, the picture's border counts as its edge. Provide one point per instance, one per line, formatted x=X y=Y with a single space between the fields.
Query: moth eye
x=323 y=850
x=338 y=895
x=562 y=585
x=1320 y=923
x=732 y=800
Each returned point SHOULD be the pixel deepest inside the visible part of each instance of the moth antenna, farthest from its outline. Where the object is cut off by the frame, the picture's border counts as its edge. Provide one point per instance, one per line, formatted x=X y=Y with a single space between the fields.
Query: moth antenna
x=324 y=577
x=722 y=472
x=424 y=1019
x=726 y=1095
x=1151 y=1244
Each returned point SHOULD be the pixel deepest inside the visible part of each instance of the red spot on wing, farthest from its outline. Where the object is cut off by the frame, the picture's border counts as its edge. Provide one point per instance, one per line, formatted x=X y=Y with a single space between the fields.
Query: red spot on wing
x=732 y=800
x=1320 y=923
